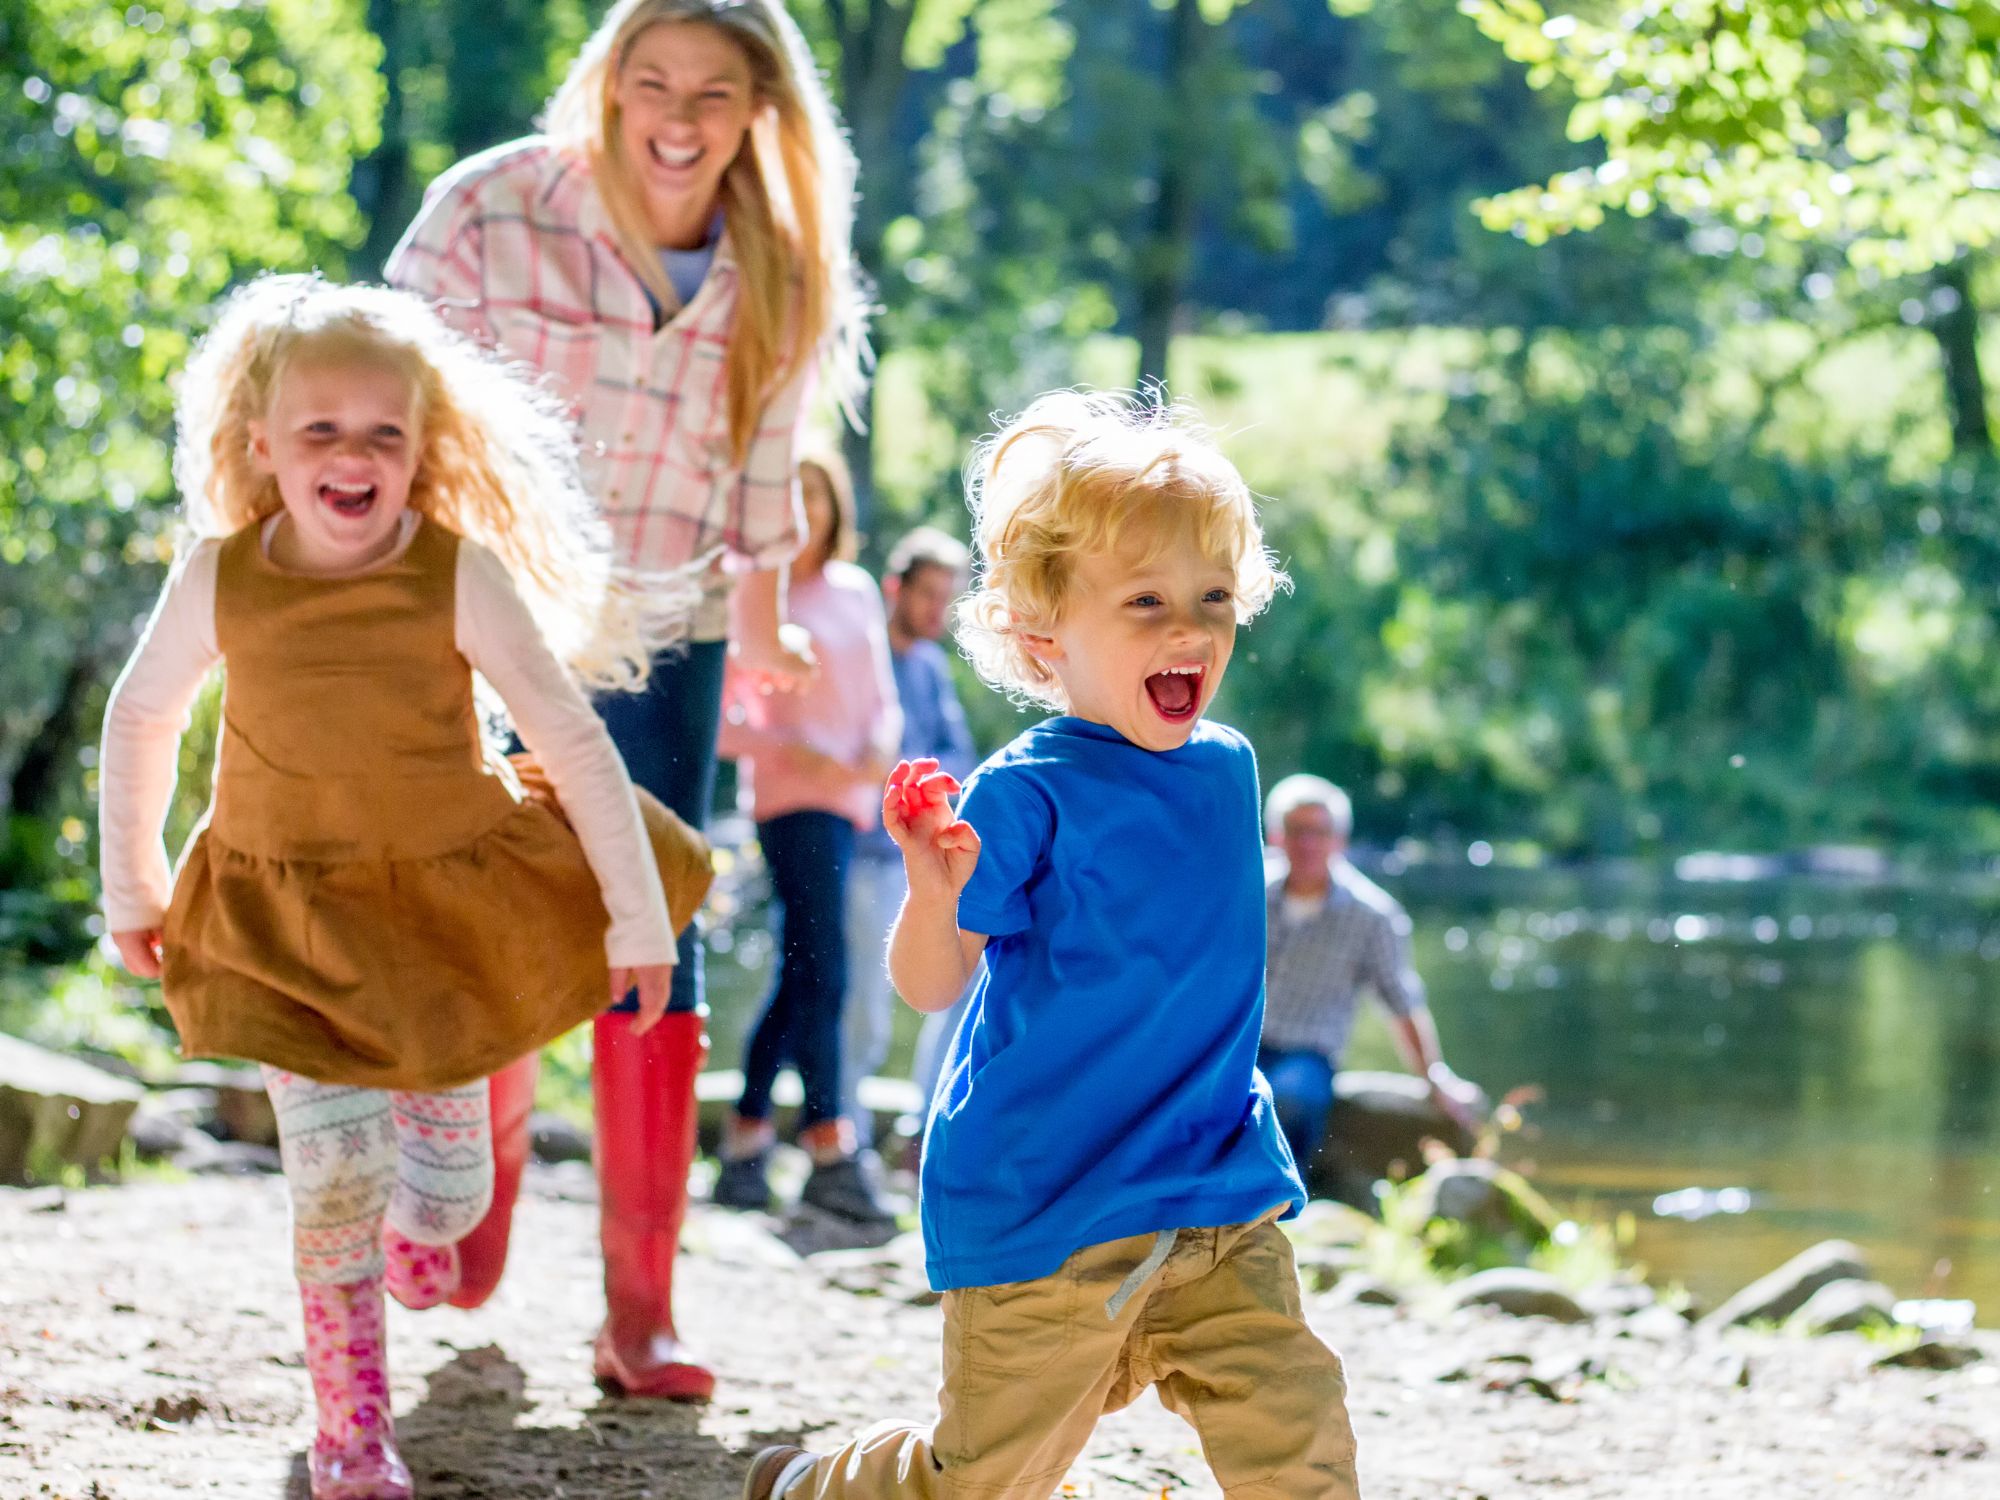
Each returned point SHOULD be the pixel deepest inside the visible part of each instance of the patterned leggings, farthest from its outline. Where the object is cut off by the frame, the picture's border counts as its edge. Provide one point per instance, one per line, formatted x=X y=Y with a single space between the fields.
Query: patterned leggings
x=354 y=1155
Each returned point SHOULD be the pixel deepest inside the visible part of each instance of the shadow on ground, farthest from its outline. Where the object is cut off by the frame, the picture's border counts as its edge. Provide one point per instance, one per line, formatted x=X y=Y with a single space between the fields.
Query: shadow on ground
x=465 y=1441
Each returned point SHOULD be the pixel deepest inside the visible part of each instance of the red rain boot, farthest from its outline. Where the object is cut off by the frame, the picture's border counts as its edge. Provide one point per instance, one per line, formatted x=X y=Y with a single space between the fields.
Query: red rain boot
x=644 y=1090
x=354 y=1453
x=482 y=1254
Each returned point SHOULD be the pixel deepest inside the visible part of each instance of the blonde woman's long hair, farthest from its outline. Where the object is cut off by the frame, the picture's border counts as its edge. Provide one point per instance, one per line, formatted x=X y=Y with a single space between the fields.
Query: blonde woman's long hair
x=788 y=200
x=496 y=462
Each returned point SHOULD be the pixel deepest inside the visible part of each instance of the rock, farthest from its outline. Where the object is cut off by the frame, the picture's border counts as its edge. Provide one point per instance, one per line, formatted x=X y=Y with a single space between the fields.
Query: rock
x=155 y=1136
x=1570 y=1370
x=721 y=1234
x=57 y=1107
x=555 y=1139
x=894 y=1269
x=1775 y=1297
x=1378 y=1127
x=1656 y=1322
x=1731 y=1370
x=1517 y=1291
x=242 y=1109
x=891 y=1101
x=813 y=1231
x=1937 y=1317
x=1930 y=1355
x=203 y=1157
x=569 y=1181
x=1488 y=1198
x=1323 y=1266
x=1326 y=1241
x=1368 y=1291
x=188 y=1105
x=1325 y=1223
x=1619 y=1297
x=1845 y=1307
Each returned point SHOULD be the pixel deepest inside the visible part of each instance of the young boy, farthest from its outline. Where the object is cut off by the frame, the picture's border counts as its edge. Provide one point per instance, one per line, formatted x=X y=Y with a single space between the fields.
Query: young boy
x=1103 y=1170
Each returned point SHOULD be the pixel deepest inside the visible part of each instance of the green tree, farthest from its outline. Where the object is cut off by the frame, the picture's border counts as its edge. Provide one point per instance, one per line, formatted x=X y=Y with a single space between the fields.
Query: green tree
x=925 y=87
x=457 y=76
x=154 y=155
x=1871 y=126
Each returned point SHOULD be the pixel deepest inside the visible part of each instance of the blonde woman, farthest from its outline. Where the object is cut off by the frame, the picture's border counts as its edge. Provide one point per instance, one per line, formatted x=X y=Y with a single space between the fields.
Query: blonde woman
x=673 y=255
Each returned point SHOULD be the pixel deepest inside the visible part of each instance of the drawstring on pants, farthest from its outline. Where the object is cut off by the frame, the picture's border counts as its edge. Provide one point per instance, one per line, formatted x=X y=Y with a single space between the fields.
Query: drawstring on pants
x=1163 y=1246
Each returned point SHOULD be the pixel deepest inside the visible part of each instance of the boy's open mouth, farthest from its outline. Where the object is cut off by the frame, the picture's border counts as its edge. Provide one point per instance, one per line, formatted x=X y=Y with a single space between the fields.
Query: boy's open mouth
x=348 y=499
x=1176 y=692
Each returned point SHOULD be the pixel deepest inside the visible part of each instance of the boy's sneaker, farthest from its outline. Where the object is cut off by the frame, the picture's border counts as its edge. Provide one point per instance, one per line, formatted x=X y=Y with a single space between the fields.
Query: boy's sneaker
x=769 y=1467
x=846 y=1190
x=742 y=1183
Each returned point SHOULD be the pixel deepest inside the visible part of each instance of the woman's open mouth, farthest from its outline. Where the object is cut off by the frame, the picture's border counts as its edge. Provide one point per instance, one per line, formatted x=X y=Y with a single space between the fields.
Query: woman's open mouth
x=676 y=161
x=1176 y=692
x=348 y=499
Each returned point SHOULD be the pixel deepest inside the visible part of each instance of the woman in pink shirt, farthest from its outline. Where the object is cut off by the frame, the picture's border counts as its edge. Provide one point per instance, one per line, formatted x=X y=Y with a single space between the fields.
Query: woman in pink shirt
x=810 y=766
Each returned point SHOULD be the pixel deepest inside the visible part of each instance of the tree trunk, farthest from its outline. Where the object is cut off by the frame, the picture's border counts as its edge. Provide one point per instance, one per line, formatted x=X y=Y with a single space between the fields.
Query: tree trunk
x=1165 y=259
x=1957 y=333
x=381 y=179
x=873 y=79
x=857 y=446
x=36 y=786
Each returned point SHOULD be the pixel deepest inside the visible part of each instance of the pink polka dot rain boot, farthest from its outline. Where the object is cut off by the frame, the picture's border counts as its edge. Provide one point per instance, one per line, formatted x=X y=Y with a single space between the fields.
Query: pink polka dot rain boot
x=418 y=1276
x=354 y=1455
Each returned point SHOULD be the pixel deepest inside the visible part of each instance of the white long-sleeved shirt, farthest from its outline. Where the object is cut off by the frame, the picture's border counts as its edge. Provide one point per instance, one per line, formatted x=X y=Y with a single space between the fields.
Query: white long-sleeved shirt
x=497 y=636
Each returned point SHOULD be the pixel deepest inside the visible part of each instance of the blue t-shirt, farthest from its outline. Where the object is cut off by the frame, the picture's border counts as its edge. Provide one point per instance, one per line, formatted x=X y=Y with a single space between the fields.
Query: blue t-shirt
x=688 y=269
x=1104 y=1081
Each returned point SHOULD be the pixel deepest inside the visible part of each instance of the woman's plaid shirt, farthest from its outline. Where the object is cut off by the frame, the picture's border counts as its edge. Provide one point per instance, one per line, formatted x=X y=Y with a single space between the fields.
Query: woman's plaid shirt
x=516 y=248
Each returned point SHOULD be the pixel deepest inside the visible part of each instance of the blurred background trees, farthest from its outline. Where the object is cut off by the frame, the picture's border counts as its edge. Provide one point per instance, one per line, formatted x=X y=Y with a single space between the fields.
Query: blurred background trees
x=1671 y=531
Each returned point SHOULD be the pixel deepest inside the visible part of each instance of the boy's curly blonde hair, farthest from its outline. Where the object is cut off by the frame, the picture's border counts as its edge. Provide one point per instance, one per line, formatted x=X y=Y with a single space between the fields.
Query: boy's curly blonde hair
x=497 y=462
x=1085 y=473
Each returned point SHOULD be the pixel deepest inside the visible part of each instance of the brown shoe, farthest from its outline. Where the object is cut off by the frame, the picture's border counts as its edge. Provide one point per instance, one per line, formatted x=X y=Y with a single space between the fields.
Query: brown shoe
x=765 y=1469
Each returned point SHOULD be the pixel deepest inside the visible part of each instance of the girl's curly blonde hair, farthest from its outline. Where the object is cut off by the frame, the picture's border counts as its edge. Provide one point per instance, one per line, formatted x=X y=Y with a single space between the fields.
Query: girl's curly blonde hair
x=1083 y=473
x=496 y=463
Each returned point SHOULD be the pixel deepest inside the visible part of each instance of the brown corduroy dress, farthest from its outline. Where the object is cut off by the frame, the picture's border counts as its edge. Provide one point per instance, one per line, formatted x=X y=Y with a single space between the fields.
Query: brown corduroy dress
x=370 y=901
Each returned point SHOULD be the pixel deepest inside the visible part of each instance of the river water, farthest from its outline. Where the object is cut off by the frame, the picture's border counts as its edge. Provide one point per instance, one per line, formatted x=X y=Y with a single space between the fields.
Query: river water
x=1830 y=1048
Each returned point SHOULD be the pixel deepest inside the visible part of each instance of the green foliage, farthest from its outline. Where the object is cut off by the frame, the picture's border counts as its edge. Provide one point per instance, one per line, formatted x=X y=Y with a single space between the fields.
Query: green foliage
x=1598 y=591
x=90 y=1007
x=1867 y=122
x=1588 y=1252
x=153 y=156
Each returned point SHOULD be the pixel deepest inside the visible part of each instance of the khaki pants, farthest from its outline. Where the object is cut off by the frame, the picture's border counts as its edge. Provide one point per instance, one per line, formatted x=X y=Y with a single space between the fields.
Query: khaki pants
x=1030 y=1366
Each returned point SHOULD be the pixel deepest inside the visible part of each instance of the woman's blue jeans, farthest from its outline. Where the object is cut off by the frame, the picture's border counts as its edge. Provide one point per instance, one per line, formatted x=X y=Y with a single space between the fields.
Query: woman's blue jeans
x=807 y=854
x=666 y=732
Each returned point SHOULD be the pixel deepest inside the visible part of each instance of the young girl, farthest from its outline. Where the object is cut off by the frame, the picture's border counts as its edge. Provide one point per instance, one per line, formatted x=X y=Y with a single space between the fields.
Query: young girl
x=371 y=909
x=809 y=766
x=672 y=254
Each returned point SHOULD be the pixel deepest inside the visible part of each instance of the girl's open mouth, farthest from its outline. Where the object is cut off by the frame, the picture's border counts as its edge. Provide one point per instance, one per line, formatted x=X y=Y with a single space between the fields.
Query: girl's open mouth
x=1176 y=692
x=348 y=499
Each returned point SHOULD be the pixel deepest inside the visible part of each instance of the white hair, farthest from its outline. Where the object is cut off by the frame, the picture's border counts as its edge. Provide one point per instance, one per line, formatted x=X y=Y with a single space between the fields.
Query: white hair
x=1303 y=790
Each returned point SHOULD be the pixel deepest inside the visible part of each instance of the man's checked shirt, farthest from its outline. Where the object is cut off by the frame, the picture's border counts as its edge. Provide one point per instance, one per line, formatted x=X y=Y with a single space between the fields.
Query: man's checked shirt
x=1317 y=966
x=516 y=248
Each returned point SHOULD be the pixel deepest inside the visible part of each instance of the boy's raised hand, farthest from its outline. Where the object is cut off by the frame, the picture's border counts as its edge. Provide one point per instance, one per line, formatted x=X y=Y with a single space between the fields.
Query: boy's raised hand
x=917 y=812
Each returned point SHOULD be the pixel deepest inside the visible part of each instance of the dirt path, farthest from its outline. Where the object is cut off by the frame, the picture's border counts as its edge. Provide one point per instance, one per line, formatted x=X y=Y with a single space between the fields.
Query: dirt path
x=149 y=1347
